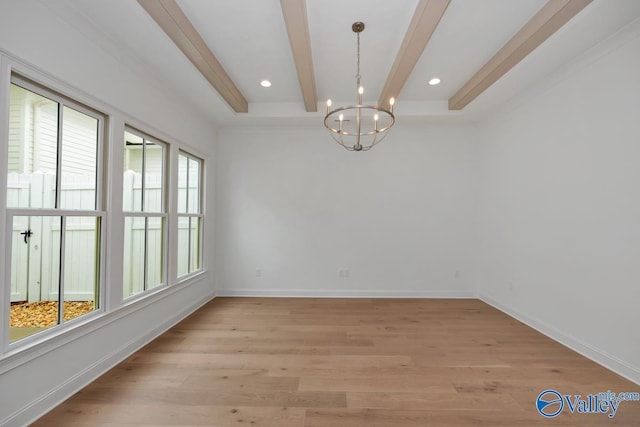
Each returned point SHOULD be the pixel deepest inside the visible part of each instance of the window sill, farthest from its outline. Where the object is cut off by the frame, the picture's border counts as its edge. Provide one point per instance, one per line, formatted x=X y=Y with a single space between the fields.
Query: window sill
x=21 y=353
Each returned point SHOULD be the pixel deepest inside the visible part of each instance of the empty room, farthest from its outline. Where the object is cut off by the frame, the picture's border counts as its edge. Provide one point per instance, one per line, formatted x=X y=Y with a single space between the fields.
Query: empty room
x=320 y=213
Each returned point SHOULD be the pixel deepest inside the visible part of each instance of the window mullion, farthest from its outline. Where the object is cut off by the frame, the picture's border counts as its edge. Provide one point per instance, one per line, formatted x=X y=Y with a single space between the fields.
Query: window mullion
x=143 y=177
x=189 y=251
x=100 y=161
x=145 y=262
x=186 y=206
x=59 y=158
x=146 y=254
x=63 y=228
x=145 y=214
x=187 y=210
x=53 y=212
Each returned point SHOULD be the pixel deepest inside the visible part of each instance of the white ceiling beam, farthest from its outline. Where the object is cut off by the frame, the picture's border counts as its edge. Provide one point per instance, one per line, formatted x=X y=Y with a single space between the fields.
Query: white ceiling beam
x=547 y=21
x=296 y=20
x=424 y=22
x=177 y=26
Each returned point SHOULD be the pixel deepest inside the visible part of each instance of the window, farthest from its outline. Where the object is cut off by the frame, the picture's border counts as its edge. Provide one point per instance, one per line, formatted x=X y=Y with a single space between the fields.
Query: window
x=54 y=208
x=143 y=201
x=189 y=214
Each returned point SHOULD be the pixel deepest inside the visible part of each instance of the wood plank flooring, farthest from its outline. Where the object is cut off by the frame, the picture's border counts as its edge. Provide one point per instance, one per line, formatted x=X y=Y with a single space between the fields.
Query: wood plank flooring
x=344 y=362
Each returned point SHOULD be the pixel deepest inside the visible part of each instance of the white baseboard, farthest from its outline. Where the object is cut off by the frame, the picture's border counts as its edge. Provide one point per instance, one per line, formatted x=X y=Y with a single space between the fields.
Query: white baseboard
x=64 y=391
x=337 y=293
x=632 y=373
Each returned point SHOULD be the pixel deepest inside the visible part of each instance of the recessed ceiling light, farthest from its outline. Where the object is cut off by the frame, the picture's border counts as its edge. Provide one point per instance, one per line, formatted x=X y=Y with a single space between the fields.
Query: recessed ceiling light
x=265 y=83
x=434 y=81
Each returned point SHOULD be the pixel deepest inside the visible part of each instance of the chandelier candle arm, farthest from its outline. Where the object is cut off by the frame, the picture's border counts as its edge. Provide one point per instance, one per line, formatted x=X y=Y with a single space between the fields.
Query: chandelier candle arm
x=375 y=120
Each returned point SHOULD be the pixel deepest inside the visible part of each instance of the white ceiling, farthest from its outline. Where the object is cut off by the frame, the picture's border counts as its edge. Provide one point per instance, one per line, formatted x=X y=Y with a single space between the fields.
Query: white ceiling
x=250 y=40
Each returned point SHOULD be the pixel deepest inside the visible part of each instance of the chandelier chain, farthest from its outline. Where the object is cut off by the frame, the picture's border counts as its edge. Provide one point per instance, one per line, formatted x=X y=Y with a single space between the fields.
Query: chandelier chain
x=358 y=69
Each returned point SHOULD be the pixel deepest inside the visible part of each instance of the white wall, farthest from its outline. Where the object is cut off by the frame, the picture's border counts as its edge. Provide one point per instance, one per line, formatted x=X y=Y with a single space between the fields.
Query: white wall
x=298 y=207
x=560 y=206
x=36 y=379
x=559 y=211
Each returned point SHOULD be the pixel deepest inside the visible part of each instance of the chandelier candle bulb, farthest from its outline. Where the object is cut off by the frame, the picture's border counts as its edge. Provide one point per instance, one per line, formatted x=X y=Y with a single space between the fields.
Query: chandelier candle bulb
x=328 y=105
x=392 y=101
x=375 y=122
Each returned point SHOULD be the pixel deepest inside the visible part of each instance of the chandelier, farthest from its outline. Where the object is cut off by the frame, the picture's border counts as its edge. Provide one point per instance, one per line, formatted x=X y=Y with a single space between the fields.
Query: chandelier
x=359 y=127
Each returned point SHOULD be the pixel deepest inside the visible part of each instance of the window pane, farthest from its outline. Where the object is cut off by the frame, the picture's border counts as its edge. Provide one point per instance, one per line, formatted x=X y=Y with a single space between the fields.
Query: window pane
x=32 y=151
x=194 y=186
x=153 y=177
x=155 y=251
x=194 y=250
x=82 y=236
x=182 y=183
x=132 y=180
x=78 y=164
x=183 y=246
x=35 y=271
x=189 y=228
x=134 y=240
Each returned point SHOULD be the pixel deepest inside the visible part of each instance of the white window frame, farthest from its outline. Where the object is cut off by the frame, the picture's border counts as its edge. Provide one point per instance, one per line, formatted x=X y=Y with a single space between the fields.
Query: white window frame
x=23 y=80
x=199 y=214
x=144 y=214
x=109 y=175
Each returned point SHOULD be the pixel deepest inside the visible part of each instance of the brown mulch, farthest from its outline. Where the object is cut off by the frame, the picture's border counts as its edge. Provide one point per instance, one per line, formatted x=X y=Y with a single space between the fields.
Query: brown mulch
x=44 y=314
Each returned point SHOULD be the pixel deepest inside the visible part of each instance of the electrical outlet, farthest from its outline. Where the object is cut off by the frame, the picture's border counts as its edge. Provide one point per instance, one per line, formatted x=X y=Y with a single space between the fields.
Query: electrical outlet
x=344 y=273
x=258 y=273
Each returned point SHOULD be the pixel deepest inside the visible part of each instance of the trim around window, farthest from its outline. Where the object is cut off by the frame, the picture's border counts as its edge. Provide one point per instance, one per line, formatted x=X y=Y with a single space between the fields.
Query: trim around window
x=52 y=186
x=145 y=213
x=107 y=210
x=190 y=217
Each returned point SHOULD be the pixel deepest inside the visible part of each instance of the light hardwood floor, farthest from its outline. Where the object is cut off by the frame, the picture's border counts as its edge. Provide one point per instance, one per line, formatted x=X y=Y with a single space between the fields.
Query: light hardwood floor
x=344 y=362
